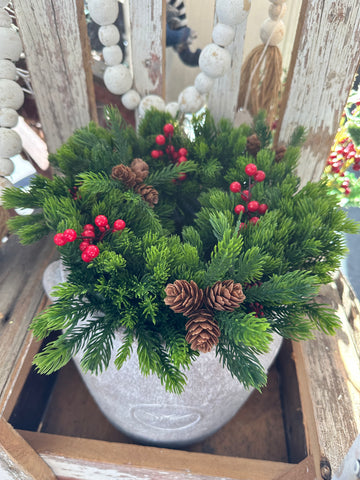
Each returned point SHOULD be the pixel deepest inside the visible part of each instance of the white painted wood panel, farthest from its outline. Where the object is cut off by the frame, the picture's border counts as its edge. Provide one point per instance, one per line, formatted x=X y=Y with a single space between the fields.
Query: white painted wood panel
x=223 y=97
x=320 y=77
x=147 y=33
x=50 y=34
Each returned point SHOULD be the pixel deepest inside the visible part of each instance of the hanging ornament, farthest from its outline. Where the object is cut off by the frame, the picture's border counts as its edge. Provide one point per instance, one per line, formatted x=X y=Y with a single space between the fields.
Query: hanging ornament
x=262 y=70
x=214 y=60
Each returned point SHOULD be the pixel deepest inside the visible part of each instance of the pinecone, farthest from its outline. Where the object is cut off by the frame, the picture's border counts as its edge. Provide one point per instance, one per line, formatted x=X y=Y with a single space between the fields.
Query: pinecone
x=202 y=331
x=140 y=168
x=124 y=174
x=149 y=194
x=253 y=144
x=225 y=295
x=183 y=297
x=279 y=153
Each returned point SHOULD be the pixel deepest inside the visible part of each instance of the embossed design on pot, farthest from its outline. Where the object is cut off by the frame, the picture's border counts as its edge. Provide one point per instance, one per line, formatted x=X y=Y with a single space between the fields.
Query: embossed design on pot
x=166 y=417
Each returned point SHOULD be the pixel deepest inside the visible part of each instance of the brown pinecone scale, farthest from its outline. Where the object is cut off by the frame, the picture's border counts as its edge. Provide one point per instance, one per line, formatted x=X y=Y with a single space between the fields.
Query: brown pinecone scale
x=224 y=296
x=202 y=331
x=253 y=144
x=148 y=193
x=279 y=153
x=183 y=296
x=124 y=174
x=140 y=168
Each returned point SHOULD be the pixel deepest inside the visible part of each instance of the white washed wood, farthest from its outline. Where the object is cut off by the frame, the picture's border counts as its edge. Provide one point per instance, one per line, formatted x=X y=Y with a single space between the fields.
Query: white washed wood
x=51 y=39
x=223 y=96
x=84 y=470
x=146 y=31
x=326 y=60
x=9 y=470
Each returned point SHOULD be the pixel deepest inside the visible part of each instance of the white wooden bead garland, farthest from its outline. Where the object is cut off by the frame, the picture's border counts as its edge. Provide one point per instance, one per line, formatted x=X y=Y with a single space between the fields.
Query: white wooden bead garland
x=11 y=94
x=214 y=59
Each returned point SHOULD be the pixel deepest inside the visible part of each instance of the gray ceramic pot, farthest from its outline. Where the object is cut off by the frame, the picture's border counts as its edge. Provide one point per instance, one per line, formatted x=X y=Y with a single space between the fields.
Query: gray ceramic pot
x=141 y=408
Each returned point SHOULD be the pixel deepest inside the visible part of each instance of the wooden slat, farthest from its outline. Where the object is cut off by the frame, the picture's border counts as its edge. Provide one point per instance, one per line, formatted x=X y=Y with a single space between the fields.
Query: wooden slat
x=324 y=61
x=147 y=32
x=70 y=457
x=18 y=461
x=223 y=97
x=328 y=369
x=53 y=49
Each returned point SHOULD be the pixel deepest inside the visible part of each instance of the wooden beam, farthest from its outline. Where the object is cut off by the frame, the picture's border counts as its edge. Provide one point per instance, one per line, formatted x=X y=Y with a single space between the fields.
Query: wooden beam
x=54 y=54
x=324 y=61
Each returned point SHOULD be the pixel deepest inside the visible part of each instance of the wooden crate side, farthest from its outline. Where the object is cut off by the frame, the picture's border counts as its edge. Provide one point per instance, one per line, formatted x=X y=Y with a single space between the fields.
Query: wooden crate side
x=18 y=461
x=54 y=55
x=158 y=463
x=324 y=61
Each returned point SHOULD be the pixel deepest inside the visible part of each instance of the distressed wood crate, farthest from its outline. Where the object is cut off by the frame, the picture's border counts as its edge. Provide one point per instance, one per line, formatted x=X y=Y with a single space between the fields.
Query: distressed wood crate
x=50 y=427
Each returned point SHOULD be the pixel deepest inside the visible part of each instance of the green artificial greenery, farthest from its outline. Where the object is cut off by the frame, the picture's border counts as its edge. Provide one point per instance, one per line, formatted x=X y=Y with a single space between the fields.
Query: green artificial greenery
x=191 y=234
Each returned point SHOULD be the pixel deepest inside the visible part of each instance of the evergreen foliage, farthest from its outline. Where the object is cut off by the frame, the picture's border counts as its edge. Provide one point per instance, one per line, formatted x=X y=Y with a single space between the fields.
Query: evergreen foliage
x=192 y=234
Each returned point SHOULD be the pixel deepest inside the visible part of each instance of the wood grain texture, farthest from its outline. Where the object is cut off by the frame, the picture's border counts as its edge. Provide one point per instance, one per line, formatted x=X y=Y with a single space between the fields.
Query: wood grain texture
x=328 y=369
x=325 y=58
x=157 y=463
x=22 y=296
x=223 y=97
x=18 y=461
x=147 y=32
x=52 y=44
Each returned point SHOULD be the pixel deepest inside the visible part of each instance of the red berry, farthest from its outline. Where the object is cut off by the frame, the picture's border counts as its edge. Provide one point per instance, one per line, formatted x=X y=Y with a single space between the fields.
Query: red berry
x=239 y=209
x=83 y=245
x=254 y=220
x=168 y=129
x=160 y=140
x=101 y=221
x=88 y=226
x=102 y=229
x=235 y=187
x=356 y=167
x=156 y=153
x=175 y=155
x=119 y=225
x=182 y=159
x=253 y=206
x=347 y=191
x=259 y=176
x=182 y=177
x=70 y=235
x=170 y=149
x=242 y=225
x=88 y=233
x=92 y=251
x=59 y=239
x=245 y=195
x=250 y=169
x=183 y=152
x=85 y=257
x=262 y=208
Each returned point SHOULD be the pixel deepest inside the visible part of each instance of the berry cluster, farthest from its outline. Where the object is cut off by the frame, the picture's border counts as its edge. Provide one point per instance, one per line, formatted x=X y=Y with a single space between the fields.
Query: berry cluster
x=343 y=155
x=249 y=207
x=178 y=157
x=89 y=236
x=256 y=306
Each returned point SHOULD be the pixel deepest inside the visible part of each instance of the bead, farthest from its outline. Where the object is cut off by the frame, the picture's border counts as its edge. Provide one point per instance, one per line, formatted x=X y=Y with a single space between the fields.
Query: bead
x=8 y=117
x=10 y=44
x=223 y=34
x=273 y=29
x=118 y=79
x=277 y=11
x=131 y=99
x=113 y=55
x=151 y=101
x=7 y=70
x=6 y=166
x=231 y=12
x=109 y=35
x=4 y=183
x=5 y=19
x=10 y=143
x=214 y=61
x=203 y=83
x=190 y=100
x=103 y=12
x=172 y=108
x=11 y=94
